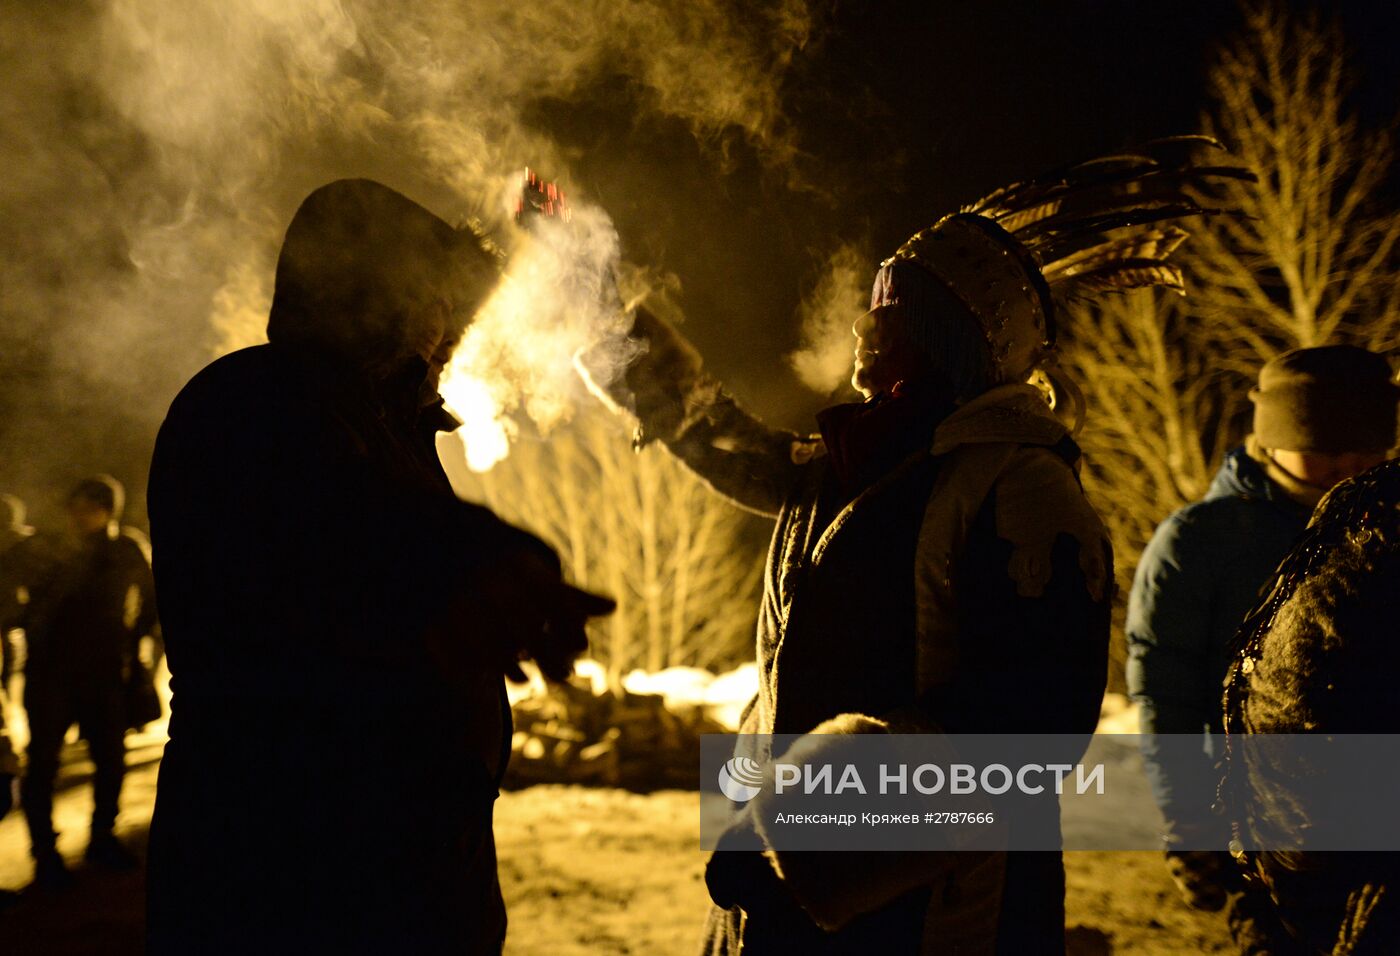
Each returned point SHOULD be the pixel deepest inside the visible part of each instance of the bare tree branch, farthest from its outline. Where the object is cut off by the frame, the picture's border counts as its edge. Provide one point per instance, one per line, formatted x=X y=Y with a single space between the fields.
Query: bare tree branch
x=683 y=564
x=1310 y=261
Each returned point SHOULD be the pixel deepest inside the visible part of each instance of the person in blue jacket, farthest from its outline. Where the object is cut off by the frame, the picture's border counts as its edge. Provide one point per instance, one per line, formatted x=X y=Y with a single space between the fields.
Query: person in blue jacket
x=1321 y=415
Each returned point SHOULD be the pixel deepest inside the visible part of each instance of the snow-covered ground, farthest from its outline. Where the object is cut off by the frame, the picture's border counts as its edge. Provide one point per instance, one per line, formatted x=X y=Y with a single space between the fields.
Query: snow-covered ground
x=724 y=696
x=585 y=871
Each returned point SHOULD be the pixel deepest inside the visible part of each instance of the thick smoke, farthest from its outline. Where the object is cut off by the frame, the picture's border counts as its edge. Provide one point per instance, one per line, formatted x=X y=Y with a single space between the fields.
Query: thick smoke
x=842 y=295
x=155 y=149
x=233 y=94
x=558 y=297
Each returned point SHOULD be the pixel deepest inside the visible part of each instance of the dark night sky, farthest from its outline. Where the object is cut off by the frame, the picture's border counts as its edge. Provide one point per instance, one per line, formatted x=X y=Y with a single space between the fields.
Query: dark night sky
x=906 y=116
x=900 y=113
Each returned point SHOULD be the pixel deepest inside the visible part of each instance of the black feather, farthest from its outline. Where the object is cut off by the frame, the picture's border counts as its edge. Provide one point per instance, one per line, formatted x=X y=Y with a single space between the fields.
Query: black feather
x=1060 y=244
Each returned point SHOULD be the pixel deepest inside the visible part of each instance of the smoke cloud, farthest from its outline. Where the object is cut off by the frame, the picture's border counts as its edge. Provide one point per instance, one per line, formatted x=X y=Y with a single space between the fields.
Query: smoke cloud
x=842 y=294
x=557 y=298
x=155 y=149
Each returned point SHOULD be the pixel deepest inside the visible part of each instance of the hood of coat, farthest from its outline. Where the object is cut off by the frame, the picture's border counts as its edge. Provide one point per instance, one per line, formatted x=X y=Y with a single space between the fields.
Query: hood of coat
x=1242 y=476
x=865 y=439
x=372 y=278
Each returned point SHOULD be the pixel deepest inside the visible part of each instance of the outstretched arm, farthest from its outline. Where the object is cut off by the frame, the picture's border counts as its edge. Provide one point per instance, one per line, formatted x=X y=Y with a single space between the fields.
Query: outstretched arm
x=676 y=402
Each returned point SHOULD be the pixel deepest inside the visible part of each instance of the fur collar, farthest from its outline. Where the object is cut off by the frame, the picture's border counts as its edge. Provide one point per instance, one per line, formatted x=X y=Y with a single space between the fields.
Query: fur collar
x=1008 y=413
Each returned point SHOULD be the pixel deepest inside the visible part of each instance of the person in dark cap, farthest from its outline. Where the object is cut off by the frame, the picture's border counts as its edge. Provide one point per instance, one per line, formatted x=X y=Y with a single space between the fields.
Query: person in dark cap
x=337 y=623
x=90 y=601
x=1321 y=415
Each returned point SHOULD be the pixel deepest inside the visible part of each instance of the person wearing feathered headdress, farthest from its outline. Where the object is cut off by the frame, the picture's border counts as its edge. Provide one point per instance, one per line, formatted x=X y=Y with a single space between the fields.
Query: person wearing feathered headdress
x=936 y=567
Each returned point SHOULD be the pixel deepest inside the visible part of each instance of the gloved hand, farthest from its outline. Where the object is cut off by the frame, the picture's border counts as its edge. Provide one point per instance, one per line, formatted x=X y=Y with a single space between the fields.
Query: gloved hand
x=554 y=634
x=738 y=873
x=518 y=609
x=740 y=876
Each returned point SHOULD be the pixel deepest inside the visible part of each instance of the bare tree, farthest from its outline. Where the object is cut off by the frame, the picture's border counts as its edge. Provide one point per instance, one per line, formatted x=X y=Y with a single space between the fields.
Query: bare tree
x=1312 y=261
x=683 y=564
x=1157 y=405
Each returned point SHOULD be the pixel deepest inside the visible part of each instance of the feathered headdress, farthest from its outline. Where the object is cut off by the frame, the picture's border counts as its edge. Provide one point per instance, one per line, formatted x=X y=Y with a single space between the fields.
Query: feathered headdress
x=1106 y=225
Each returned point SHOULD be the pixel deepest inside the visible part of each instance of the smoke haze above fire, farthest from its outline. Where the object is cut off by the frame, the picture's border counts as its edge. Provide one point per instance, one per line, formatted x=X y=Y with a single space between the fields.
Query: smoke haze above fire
x=161 y=147
x=750 y=157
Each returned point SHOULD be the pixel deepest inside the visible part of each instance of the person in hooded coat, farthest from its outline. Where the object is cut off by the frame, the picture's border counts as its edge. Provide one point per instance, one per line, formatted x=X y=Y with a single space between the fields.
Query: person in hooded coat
x=337 y=622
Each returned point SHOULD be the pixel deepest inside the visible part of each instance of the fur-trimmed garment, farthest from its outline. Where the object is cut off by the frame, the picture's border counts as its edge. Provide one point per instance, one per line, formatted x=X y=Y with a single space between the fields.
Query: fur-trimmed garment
x=1322 y=657
x=964 y=589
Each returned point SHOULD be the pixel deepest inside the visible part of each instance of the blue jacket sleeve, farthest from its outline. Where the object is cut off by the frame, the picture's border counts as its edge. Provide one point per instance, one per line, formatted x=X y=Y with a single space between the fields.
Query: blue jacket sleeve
x=1170 y=672
x=1169 y=628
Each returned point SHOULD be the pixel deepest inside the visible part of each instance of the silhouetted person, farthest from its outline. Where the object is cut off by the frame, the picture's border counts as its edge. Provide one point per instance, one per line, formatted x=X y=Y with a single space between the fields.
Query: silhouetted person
x=337 y=622
x=90 y=602
x=935 y=567
x=15 y=531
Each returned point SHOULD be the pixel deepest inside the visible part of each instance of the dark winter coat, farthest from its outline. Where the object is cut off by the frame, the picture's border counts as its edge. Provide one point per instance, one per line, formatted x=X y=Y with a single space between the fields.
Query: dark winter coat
x=1197 y=579
x=89 y=604
x=964 y=589
x=1320 y=657
x=9 y=759
x=326 y=787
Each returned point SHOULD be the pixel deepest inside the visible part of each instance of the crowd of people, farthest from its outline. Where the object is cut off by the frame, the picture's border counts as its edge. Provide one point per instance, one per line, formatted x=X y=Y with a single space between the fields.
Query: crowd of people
x=932 y=543
x=84 y=600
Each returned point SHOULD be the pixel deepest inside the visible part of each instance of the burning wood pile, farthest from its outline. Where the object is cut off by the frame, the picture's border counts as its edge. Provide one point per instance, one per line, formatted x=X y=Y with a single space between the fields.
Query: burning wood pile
x=642 y=735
